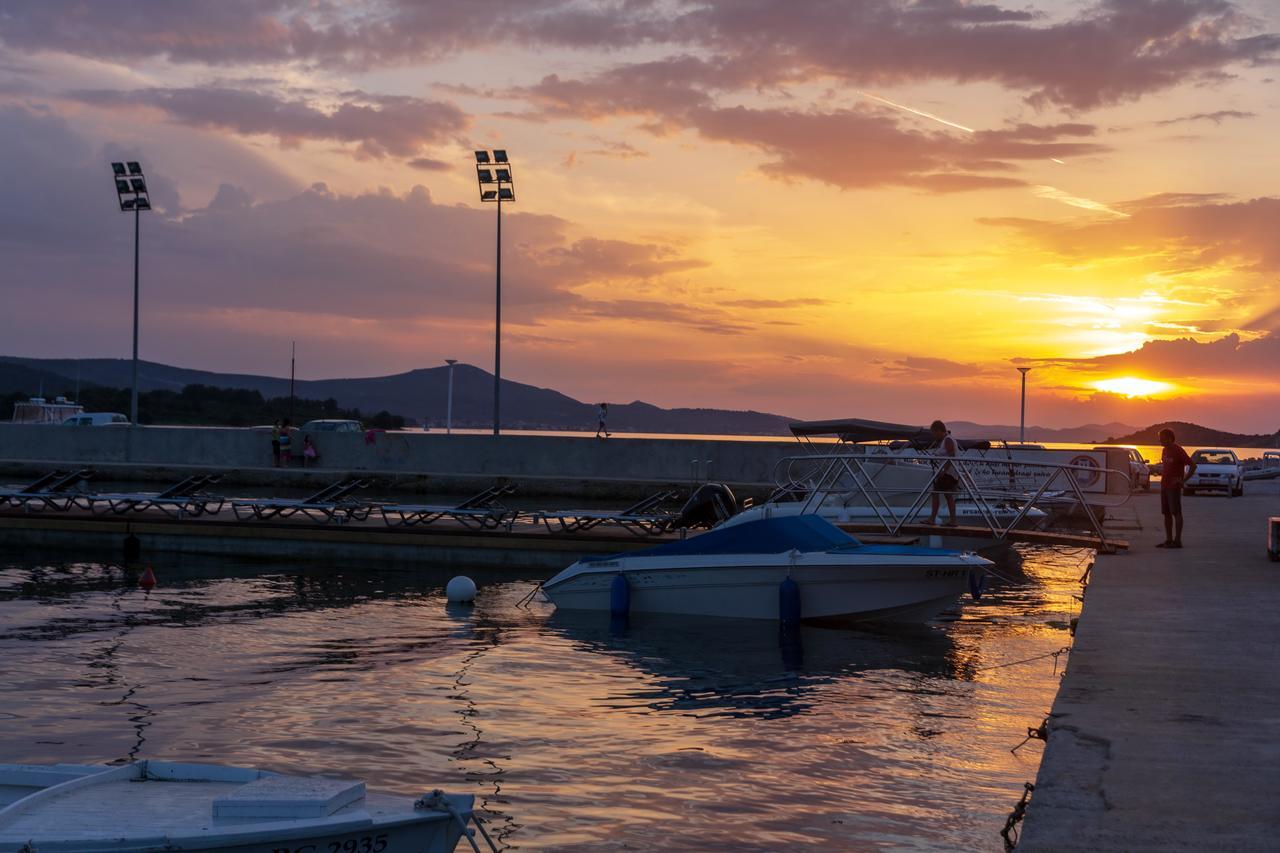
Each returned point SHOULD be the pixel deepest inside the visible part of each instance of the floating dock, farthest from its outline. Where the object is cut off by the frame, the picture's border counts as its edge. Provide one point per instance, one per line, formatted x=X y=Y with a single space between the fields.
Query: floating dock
x=1165 y=734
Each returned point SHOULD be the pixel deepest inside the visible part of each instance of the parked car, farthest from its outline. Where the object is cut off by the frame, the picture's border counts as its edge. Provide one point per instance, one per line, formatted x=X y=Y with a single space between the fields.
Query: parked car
x=96 y=419
x=1139 y=468
x=332 y=426
x=1216 y=470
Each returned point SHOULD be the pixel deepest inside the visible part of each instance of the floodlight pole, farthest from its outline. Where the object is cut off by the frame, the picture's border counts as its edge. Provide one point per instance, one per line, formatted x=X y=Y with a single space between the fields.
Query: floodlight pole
x=1022 y=423
x=133 y=397
x=497 y=327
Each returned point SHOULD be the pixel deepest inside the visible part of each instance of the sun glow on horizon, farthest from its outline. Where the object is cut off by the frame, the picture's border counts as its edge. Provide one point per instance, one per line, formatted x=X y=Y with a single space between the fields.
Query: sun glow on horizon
x=1132 y=386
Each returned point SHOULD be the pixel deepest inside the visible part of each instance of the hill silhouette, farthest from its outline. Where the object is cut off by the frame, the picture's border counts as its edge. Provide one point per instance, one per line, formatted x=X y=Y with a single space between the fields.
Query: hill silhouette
x=1189 y=433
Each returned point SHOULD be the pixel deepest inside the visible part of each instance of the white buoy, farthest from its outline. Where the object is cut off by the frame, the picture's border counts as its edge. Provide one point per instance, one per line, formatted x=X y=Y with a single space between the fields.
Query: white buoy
x=460 y=590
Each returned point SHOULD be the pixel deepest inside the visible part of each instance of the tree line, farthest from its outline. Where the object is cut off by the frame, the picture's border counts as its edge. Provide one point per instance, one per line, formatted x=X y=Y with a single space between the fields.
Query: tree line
x=207 y=405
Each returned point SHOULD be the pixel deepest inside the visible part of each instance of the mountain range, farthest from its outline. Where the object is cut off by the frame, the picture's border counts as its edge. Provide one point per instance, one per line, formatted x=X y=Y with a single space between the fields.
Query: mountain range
x=421 y=395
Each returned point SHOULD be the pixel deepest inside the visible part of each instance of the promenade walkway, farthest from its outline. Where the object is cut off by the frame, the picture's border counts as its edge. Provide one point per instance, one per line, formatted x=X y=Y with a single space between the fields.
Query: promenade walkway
x=1165 y=735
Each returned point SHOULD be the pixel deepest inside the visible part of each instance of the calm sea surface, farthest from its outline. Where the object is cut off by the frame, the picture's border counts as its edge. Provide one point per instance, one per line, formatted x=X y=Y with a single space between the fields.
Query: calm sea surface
x=675 y=735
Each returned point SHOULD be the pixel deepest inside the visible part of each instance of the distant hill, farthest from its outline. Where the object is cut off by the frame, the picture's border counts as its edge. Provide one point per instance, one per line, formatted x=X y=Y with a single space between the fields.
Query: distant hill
x=1195 y=434
x=1086 y=434
x=418 y=395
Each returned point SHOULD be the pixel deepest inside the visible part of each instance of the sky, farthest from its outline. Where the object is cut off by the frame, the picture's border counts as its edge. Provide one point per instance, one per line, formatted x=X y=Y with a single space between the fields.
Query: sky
x=824 y=209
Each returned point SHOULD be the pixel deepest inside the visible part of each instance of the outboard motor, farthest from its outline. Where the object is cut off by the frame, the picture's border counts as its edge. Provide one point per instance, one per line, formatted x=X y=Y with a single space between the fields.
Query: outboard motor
x=709 y=505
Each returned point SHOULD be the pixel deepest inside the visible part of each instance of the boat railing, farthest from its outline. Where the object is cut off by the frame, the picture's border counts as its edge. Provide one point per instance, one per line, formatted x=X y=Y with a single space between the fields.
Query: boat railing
x=1004 y=491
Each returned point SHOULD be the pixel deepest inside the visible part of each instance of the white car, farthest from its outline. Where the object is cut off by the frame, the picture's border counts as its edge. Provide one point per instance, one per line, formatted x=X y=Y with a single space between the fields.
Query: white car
x=97 y=419
x=1217 y=469
x=332 y=426
x=1139 y=468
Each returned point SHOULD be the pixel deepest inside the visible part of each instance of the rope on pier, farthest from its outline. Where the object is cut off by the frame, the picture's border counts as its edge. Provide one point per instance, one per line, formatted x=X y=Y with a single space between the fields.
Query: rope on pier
x=1054 y=654
x=1040 y=732
x=1010 y=831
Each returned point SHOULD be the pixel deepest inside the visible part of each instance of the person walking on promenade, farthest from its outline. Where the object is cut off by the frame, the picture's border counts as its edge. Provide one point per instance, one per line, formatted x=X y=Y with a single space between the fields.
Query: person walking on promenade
x=1175 y=467
x=309 y=452
x=601 y=414
x=275 y=445
x=946 y=482
x=285 y=442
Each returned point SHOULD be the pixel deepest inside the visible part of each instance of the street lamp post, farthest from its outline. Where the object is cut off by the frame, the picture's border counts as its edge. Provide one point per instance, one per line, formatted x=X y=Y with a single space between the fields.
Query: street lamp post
x=493 y=172
x=131 y=189
x=1022 y=423
x=448 y=423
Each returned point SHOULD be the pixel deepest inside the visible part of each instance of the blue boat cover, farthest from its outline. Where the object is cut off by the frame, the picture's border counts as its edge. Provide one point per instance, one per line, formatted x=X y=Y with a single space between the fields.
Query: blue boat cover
x=763 y=536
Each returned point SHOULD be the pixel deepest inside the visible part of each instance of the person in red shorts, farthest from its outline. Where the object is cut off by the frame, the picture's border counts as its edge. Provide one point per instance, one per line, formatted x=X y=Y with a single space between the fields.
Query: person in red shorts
x=1175 y=467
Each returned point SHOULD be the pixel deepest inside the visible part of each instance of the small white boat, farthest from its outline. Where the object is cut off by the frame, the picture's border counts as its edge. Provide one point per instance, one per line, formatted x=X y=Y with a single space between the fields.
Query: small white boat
x=738 y=571
x=163 y=806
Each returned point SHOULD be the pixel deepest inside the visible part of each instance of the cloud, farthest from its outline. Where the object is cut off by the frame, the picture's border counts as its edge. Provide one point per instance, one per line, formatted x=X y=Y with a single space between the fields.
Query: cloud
x=922 y=369
x=1216 y=117
x=377 y=124
x=1180 y=228
x=1111 y=51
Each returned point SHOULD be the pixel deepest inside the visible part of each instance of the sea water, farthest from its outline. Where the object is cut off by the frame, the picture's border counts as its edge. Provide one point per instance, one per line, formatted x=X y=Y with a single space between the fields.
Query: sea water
x=668 y=734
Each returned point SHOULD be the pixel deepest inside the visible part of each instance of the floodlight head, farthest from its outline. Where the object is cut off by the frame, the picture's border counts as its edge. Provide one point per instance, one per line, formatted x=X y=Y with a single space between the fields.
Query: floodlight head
x=135 y=168
x=505 y=194
x=127 y=203
x=139 y=185
x=122 y=186
x=500 y=155
x=482 y=156
x=118 y=169
x=142 y=204
x=504 y=176
x=485 y=176
x=488 y=195
x=451 y=361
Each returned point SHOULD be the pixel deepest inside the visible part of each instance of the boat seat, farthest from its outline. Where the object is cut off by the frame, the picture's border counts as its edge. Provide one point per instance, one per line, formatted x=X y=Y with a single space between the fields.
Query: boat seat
x=289 y=797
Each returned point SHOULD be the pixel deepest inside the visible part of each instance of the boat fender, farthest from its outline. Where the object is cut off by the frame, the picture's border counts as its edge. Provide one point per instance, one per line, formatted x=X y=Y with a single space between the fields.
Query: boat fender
x=132 y=547
x=460 y=590
x=789 y=602
x=619 y=597
x=977 y=583
x=148 y=579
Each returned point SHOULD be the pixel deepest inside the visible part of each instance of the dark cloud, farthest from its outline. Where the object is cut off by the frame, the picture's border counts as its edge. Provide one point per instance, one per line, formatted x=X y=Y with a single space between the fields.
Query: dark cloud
x=348 y=260
x=1112 y=51
x=378 y=125
x=1185 y=360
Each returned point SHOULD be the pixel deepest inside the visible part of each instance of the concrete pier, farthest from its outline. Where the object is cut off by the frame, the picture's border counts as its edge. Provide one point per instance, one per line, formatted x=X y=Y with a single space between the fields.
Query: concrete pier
x=1165 y=734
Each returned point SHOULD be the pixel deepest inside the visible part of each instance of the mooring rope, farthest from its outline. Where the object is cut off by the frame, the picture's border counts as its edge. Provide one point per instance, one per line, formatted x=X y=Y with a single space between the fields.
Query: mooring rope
x=1054 y=654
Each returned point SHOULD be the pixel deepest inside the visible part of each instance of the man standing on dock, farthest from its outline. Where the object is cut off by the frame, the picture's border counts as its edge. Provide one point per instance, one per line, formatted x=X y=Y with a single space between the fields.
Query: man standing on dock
x=1175 y=467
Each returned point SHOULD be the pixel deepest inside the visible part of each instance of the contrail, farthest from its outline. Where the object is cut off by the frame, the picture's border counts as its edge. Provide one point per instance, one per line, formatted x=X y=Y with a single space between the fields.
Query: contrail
x=1059 y=162
x=914 y=111
x=1056 y=194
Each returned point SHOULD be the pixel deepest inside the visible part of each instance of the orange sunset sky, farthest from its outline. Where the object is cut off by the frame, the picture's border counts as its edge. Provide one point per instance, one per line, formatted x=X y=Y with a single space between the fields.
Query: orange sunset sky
x=871 y=208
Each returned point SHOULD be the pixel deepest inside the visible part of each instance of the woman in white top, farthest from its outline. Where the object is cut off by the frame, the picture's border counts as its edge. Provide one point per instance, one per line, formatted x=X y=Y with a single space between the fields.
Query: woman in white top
x=946 y=483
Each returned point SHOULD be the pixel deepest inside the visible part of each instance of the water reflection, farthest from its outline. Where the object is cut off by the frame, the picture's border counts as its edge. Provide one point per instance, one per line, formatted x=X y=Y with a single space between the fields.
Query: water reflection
x=572 y=737
x=725 y=667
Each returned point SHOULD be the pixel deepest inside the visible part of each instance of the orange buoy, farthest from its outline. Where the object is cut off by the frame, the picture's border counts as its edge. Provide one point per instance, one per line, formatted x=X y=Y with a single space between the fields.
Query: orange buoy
x=148 y=579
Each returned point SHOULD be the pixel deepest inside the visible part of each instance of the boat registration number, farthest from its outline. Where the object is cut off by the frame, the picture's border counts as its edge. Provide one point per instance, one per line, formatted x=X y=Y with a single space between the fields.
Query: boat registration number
x=354 y=844
x=945 y=573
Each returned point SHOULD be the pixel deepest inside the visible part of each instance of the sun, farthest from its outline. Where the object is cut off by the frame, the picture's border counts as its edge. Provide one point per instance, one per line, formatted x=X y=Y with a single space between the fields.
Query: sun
x=1132 y=386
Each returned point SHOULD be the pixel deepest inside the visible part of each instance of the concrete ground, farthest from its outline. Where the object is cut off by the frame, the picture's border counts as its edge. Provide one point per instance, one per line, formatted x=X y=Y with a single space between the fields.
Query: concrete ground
x=1165 y=734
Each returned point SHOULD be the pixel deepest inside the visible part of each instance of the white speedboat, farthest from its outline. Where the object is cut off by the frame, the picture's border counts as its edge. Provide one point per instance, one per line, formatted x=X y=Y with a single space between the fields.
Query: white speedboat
x=740 y=571
x=162 y=806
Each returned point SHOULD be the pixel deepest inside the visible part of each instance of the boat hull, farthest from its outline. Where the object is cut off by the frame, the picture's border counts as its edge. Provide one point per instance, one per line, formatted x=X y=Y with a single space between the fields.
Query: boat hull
x=831 y=590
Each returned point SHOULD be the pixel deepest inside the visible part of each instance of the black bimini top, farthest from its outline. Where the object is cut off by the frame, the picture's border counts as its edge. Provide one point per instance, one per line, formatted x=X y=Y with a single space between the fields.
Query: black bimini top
x=856 y=429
